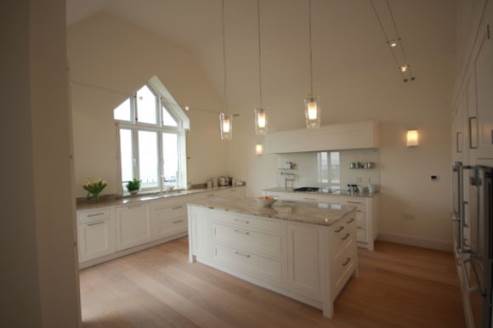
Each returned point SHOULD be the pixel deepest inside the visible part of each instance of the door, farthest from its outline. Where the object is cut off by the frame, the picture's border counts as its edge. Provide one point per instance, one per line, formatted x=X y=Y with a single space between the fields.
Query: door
x=483 y=65
x=133 y=226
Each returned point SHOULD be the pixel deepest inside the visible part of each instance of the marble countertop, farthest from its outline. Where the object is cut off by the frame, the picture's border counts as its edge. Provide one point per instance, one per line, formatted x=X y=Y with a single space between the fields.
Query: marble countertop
x=321 y=214
x=335 y=193
x=115 y=200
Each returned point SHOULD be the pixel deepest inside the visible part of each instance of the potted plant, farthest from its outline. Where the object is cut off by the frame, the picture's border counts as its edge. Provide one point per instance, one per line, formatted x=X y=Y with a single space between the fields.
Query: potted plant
x=94 y=188
x=133 y=186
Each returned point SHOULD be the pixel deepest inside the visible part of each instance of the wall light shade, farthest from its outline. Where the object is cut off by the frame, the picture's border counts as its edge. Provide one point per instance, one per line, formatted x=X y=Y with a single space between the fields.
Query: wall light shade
x=226 y=126
x=260 y=121
x=312 y=113
x=412 y=138
x=259 y=149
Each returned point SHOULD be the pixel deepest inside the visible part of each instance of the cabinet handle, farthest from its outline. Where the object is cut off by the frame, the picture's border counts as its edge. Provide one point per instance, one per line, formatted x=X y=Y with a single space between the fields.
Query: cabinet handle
x=473 y=138
x=339 y=229
x=457 y=142
x=346 y=262
x=94 y=223
x=242 y=232
x=310 y=199
x=242 y=221
x=134 y=206
x=346 y=236
x=359 y=211
x=95 y=214
x=353 y=202
x=350 y=221
x=241 y=254
x=177 y=221
x=177 y=207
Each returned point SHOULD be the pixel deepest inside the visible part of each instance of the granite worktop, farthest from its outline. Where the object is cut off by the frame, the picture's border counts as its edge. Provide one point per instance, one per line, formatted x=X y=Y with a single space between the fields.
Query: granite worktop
x=320 y=214
x=322 y=193
x=116 y=200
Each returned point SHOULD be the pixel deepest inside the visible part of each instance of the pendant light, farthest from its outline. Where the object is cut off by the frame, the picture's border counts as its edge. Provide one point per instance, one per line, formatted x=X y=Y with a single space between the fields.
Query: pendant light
x=260 y=114
x=225 y=120
x=312 y=107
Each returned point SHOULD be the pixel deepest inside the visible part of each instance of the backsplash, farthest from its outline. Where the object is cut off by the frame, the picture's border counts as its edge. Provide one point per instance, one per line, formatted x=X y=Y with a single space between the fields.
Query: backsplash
x=330 y=169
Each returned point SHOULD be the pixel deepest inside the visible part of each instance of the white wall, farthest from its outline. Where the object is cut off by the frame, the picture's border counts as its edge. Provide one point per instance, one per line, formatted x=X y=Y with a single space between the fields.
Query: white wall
x=356 y=79
x=38 y=267
x=110 y=52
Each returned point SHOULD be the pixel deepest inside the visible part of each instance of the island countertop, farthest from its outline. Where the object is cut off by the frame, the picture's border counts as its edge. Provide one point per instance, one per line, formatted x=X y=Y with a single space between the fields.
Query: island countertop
x=320 y=214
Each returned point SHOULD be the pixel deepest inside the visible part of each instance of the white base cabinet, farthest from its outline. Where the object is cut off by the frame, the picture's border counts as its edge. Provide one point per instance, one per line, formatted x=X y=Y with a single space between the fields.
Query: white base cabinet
x=307 y=262
x=366 y=211
x=110 y=232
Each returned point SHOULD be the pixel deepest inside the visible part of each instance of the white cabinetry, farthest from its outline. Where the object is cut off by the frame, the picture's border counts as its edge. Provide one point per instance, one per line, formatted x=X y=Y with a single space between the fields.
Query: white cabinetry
x=366 y=211
x=167 y=218
x=133 y=225
x=308 y=262
x=96 y=233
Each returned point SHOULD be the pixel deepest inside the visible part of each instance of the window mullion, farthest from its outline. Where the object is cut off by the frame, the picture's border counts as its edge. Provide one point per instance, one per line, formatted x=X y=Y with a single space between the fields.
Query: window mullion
x=135 y=149
x=160 y=160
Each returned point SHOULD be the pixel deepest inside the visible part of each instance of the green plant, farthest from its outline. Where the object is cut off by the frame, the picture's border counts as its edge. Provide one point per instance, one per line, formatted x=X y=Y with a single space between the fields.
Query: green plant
x=94 y=188
x=133 y=185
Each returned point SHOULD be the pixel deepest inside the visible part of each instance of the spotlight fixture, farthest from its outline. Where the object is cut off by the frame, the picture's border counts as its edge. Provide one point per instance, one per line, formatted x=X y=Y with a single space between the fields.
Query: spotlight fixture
x=393 y=43
x=404 y=68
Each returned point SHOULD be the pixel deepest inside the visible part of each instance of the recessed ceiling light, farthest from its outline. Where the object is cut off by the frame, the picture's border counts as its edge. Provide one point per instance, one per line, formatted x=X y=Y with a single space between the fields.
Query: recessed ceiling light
x=404 y=68
x=393 y=43
x=187 y=108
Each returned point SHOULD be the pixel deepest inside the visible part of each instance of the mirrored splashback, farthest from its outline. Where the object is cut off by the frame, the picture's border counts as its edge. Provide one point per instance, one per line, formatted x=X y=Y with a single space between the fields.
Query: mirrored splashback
x=332 y=170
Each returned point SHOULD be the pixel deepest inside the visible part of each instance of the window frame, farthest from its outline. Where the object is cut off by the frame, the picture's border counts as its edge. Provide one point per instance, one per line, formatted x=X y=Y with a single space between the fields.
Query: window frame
x=135 y=126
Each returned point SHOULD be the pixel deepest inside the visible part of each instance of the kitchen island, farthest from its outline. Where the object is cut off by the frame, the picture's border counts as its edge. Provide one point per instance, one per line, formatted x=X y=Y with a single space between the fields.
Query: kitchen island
x=302 y=250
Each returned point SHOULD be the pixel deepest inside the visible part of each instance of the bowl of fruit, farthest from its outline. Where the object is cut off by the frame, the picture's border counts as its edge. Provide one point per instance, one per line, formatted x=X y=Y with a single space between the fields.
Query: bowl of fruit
x=265 y=201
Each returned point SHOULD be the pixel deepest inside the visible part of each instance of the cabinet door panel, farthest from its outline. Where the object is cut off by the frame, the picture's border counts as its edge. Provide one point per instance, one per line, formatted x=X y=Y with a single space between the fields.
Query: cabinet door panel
x=303 y=259
x=133 y=226
x=96 y=239
x=167 y=221
x=484 y=87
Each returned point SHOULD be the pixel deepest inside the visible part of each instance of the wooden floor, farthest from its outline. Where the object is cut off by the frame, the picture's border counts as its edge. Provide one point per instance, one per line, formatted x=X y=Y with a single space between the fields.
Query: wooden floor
x=398 y=286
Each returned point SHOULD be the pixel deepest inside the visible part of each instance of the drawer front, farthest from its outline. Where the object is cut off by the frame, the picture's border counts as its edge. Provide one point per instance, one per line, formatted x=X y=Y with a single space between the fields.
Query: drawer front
x=343 y=266
x=167 y=221
x=248 y=222
x=359 y=204
x=94 y=215
x=246 y=263
x=343 y=233
x=248 y=240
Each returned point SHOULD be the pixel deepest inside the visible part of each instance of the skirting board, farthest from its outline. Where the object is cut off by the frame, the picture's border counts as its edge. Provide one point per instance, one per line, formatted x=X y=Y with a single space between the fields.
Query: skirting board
x=414 y=241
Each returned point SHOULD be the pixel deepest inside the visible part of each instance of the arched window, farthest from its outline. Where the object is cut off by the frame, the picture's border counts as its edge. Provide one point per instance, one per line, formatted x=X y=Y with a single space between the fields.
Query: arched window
x=151 y=129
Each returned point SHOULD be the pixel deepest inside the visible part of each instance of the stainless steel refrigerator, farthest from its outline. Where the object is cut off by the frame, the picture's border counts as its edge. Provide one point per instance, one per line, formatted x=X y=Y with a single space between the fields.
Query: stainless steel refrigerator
x=473 y=232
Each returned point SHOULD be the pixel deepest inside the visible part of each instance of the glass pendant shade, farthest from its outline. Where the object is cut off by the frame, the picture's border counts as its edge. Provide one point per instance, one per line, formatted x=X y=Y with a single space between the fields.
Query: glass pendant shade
x=259 y=149
x=260 y=121
x=226 y=126
x=312 y=113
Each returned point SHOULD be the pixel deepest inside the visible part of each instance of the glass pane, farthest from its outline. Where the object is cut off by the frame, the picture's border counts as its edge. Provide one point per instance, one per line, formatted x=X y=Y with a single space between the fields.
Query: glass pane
x=170 y=159
x=148 y=159
x=146 y=105
x=126 y=154
x=122 y=112
x=329 y=170
x=168 y=120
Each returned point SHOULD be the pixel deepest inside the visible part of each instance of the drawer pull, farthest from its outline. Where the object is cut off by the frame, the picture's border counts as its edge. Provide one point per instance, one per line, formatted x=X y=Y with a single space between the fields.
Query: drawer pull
x=95 y=223
x=241 y=254
x=353 y=202
x=177 y=207
x=346 y=262
x=359 y=211
x=177 y=221
x=350 y=221
x=346 y=236
x=95 y=214
x=242 y=221
x=310 y=199
x=242 y=232
x=339 y=229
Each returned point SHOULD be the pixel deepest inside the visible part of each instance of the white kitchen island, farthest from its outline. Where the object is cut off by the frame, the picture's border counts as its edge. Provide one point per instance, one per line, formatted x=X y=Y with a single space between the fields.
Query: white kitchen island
x=304 y=251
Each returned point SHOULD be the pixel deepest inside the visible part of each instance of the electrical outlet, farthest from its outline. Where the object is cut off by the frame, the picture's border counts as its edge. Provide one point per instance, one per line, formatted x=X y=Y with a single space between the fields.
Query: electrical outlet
x=408 y=217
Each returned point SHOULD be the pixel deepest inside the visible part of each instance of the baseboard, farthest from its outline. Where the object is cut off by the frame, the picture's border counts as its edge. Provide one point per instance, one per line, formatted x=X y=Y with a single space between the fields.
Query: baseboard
x=415 y=241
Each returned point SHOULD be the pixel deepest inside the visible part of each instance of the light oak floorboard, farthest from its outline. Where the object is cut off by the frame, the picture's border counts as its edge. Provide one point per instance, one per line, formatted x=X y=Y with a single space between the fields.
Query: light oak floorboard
x=398 y=286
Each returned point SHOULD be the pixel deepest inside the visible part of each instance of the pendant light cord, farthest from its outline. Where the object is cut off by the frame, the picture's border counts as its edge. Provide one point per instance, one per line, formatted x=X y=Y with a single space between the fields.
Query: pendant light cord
x=310 y=44
x=225 y=75
x=259 y=40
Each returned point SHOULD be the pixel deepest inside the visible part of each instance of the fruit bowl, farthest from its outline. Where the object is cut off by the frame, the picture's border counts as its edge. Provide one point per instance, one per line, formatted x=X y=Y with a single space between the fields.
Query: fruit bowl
x=265 y=201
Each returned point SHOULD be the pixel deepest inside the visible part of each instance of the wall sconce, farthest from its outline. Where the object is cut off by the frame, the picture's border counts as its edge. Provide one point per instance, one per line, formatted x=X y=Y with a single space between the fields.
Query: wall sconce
x=259 y=149
x=412 y=138
x=226 y=126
